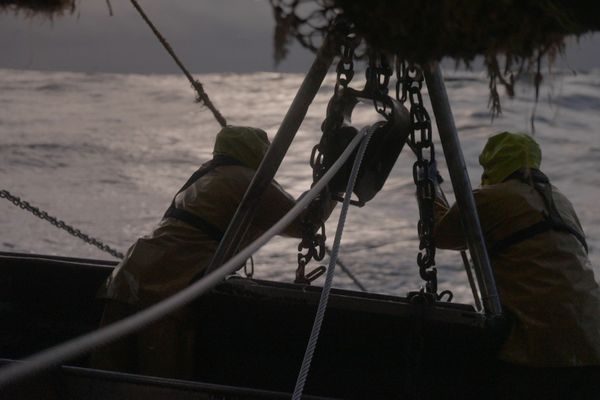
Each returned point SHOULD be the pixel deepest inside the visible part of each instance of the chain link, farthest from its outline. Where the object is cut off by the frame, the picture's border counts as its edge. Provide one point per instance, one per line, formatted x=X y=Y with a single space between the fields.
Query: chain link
x=313 y=242
x=424 y=169
x=312 y=245
x=334 y=119
x=378 y=77
x=249 y=270
x=345 y=67
x=58 y=223
x=401 y=85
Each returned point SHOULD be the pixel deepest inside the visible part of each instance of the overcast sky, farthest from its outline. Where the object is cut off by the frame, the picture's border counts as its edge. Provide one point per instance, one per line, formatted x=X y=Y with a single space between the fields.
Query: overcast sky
x=208 y=35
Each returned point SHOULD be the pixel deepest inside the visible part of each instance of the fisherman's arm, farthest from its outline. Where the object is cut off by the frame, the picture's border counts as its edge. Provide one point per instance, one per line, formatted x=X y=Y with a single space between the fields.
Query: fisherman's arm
x=448 y=231
x=276 y=203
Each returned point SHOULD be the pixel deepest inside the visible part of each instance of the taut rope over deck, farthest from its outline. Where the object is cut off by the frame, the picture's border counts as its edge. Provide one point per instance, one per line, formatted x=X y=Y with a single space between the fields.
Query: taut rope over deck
x=82 y=344
x=202 y=96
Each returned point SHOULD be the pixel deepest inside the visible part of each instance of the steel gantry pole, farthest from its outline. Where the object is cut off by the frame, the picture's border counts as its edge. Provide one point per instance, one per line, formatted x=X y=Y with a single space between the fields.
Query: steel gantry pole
x=462 y=186
x=266 y=171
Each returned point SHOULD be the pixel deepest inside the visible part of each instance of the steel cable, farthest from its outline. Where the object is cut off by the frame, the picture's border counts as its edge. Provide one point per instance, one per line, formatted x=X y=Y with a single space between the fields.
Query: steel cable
x=365 y=136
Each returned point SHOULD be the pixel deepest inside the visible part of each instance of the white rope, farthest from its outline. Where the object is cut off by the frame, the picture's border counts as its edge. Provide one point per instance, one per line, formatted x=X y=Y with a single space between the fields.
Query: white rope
x=365 y=135
x=83 y=344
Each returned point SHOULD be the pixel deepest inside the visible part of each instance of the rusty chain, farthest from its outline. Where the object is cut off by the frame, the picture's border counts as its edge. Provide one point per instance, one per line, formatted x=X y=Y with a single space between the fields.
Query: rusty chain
x=312 y=244
x=378 y=76
x=410 y=82
x=345 y=67
x=59 y=223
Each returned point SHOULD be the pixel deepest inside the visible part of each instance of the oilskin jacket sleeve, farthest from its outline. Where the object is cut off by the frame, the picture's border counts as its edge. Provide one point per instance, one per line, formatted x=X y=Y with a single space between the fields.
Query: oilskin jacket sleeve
x=164 y=262
x=217 y=196
x=449 y=233
x=545 y=281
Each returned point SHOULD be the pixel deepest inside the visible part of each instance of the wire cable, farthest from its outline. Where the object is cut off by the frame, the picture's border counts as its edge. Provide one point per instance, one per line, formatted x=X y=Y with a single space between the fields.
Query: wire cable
x=365 y=136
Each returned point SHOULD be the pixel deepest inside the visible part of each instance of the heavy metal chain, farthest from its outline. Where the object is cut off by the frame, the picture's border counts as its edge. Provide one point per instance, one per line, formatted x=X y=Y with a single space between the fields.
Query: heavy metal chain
x=424 y=169
x=312 y=245
x=58 y=223
x=378 y=76
x=345 y=67
x=345 y=73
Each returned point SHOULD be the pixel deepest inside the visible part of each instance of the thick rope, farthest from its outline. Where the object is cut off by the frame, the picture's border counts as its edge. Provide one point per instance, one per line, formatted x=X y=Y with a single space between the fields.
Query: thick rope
x=83 y=344
x=110 y=9
x=202 y=96
x=365 y=135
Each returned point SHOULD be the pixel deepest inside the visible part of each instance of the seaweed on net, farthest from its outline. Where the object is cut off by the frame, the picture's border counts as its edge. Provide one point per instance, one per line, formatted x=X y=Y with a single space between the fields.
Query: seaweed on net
x=39 y=7
x=303 y=20
x=512 y=36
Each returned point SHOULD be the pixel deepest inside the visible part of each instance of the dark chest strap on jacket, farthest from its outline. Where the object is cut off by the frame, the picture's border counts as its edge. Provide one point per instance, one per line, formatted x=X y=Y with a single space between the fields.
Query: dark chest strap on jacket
x=193 y=219
x=552 y=219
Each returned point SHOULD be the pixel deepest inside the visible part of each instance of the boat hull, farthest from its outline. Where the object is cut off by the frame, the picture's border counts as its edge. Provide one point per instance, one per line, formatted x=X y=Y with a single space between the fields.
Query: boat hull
x=252 y=334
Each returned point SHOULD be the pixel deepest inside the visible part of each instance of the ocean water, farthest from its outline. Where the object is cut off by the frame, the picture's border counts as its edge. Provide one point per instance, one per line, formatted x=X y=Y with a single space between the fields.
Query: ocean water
x=106 y=152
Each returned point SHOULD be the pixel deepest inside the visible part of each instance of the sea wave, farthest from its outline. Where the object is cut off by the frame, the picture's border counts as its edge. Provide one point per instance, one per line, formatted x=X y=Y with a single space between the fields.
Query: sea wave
x=108 y=151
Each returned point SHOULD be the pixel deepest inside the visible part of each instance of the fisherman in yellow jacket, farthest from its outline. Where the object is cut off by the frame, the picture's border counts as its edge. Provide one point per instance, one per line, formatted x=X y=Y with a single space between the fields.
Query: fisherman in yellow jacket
x=180 y=249
x=538 y=254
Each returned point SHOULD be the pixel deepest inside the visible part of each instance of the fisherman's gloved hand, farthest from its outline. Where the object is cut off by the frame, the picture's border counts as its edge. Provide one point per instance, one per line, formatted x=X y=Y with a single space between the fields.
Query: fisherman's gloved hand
x=434 y=174
x=440 y=198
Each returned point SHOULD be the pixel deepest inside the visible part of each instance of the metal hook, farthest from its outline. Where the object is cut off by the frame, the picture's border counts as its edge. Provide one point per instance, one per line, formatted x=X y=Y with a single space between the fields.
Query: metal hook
x=306 y=279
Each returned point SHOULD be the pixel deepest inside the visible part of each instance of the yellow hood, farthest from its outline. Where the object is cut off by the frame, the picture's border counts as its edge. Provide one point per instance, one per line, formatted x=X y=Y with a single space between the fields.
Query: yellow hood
x=506 y=153
x=245 y=144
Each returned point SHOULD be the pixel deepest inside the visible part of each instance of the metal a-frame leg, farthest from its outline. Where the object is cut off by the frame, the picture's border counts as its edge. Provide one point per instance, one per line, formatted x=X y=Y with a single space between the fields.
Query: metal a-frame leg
x=462 y=187
x=265 y=173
